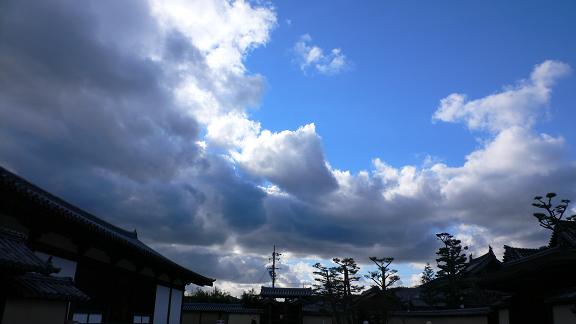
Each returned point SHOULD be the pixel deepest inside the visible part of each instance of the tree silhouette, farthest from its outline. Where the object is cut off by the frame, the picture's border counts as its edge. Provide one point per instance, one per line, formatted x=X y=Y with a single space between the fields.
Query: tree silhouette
x=451 y=261
x=384 y=277
x=329 y=285
x=251 y=299
x=427 y=275
x=348 y=268
x=552 y=215
x=328 y=280
x=211 y=296
x=428 y=292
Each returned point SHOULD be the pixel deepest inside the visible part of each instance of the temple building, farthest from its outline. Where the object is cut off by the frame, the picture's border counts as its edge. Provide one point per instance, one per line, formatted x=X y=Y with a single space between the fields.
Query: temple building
x=530 y=285
x=540 y=282
x=65 y=265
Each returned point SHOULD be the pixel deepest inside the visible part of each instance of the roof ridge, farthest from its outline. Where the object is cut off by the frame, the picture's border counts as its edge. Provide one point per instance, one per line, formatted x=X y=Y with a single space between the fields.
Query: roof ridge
x=18 y=180
x=208 y=303
x=538 y=252
x=40 y=276
x=519 y=248
x=21 y=185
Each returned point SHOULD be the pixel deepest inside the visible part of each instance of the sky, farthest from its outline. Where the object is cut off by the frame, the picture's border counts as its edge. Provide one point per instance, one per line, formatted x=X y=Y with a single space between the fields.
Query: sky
x=218 y=128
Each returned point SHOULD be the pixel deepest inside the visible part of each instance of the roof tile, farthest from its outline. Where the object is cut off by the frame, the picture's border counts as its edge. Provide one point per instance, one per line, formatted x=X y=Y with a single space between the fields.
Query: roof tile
x=33 y=285
x=17 y=257
x=223 y=308
x=285 y=292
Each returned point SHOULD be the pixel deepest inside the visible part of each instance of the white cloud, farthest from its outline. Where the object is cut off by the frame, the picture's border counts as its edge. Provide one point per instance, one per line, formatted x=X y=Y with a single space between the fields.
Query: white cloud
x=293 y=160
x=213 y=80
x=520 y=105
x=232 y=130
x=223 y=30
x=313 y=57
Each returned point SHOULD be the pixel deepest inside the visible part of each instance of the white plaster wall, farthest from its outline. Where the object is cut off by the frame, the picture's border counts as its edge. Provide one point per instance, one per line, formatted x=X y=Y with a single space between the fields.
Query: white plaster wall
x=504 y=316
x=161 y=305
x=176 y=306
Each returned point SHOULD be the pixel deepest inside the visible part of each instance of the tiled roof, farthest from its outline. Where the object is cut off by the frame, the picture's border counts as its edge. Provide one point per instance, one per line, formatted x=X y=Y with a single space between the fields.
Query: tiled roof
x=513 y=253
x=483 y=263
x=220 y=308
x=285 y=292
x=33 y=285
x=34 y=194
x=15 y=256
x=564 y=234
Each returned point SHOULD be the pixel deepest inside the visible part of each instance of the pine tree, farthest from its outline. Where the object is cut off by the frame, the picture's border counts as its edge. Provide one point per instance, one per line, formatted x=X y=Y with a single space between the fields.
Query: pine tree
x=451 y=259
x=428 y=292
x=329 y=281
x=348 y=268
x=329 y=285
x=384 y=277
x=552 y=214
x=427 y=275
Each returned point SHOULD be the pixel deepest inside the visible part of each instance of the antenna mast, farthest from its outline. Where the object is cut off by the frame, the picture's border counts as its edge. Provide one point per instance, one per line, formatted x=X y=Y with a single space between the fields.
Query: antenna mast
x=273 y=268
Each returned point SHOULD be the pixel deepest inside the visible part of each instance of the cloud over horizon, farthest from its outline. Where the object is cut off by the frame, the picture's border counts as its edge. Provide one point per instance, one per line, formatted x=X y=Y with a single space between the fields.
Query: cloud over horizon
x=141 y=113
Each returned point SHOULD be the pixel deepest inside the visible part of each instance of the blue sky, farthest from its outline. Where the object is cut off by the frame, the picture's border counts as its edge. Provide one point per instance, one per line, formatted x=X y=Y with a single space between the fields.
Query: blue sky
x=218 y=128
x=405 y=57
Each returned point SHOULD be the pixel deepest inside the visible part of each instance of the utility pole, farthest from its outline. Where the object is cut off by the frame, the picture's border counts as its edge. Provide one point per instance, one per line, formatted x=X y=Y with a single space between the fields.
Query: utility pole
x=273 y=268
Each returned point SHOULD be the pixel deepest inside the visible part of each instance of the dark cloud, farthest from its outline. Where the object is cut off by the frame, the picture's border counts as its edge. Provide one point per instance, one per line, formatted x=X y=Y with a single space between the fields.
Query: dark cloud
x=76 y=100
x=224 y=265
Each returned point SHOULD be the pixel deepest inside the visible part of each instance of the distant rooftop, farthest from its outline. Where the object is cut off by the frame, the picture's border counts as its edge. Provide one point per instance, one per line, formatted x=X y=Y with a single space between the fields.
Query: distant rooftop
x=564 y=234
x=285 y=292
x=219 y=308
x=514 y=253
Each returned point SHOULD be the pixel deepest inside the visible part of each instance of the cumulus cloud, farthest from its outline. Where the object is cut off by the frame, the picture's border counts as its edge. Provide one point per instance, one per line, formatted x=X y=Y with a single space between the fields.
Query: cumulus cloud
x=222 y=30
x=294 y=160
x=312 y=57
x=232 y=130
x=518 y=105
